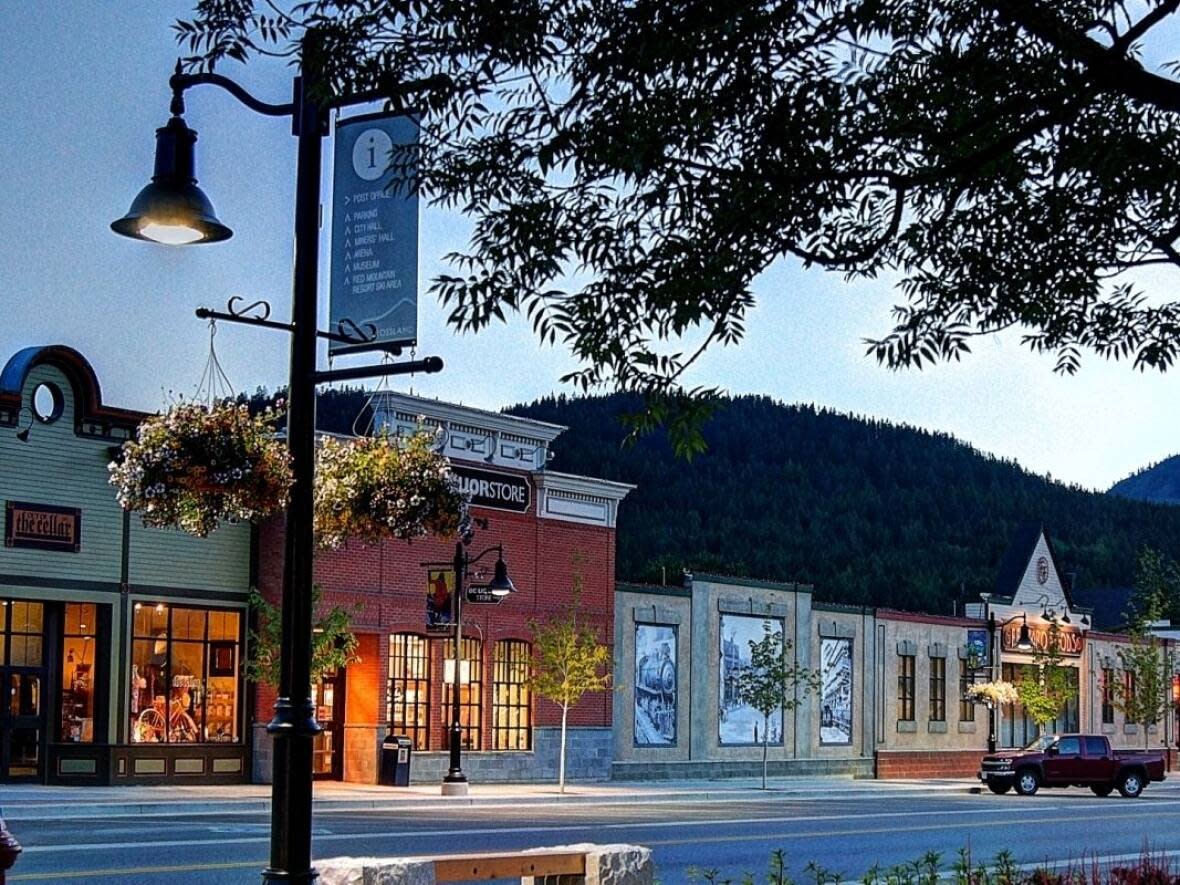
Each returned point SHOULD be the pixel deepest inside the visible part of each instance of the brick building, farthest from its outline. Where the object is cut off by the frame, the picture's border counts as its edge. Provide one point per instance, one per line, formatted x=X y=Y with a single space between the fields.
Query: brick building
x=557 y=532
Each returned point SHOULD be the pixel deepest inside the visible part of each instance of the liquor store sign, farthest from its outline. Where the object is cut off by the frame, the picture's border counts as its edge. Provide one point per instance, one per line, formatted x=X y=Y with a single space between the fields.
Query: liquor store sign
x=42 y=526
x=490 y=488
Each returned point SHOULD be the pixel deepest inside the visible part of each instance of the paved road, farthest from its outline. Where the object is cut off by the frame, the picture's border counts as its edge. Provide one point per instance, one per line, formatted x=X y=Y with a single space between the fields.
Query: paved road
x=846 y=833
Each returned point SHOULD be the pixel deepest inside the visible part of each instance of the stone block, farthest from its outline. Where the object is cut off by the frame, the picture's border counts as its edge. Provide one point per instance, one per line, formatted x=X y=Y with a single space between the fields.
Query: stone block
x=605 y=865
x=375 y=871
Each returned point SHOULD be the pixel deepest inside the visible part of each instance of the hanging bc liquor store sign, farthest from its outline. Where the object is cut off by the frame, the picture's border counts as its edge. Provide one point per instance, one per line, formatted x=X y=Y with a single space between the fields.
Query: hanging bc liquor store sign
x=1070 y=643
x=489 y=488
x=374 y=263
x=42 y=526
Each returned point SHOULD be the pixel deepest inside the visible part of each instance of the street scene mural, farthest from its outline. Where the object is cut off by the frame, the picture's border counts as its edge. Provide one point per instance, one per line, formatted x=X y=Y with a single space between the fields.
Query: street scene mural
x=738 y=722
x=655 y=685
x=835 y=723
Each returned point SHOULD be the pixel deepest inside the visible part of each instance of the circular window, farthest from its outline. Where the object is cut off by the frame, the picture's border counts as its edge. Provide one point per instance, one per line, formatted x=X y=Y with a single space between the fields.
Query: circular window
x=48 y=402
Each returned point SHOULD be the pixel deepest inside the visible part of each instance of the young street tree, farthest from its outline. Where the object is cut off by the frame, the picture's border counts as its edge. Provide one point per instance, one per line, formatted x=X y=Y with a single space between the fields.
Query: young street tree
x=772 y=684
x=568 y=662
x=333 y=644
x=1045 y=686
x=1144 y=693
x=630 y=168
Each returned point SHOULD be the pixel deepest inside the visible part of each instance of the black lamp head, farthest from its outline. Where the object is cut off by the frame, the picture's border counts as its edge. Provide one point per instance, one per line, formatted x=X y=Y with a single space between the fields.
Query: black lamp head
x=1024 y=642
x=172 y=209
x=501 y=585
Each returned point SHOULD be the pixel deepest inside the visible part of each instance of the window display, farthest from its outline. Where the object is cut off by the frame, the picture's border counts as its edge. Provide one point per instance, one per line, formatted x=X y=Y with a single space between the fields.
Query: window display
x=77 y=673
x=185 y=665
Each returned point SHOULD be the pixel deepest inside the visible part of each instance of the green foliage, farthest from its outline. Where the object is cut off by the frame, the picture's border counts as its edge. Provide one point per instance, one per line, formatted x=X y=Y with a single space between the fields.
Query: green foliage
x=773 y=682
x=631 y=168
x=568 y=661
x=333 y=643
x=1157 y=590
x=1045 y=686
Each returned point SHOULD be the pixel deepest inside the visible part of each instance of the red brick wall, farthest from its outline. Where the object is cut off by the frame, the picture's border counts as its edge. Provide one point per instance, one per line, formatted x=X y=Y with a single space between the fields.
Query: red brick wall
x=387 y=585
x=920 y=764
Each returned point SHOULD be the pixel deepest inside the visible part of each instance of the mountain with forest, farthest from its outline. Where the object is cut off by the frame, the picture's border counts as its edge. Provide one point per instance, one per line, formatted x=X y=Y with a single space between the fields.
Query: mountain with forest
x=867 y=511
x=1157 y=482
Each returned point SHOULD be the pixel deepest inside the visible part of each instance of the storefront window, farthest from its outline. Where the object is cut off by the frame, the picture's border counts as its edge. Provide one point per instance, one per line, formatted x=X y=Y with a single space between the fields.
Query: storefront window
x=409 y=687
x=77 y=673
x=470 y=690
x=938 y=689
x=511 y=707
x=1107 y=696
x=1017 y=729
x=905 y=688
x=185 y=665
x=966 y=680
x=26 y=621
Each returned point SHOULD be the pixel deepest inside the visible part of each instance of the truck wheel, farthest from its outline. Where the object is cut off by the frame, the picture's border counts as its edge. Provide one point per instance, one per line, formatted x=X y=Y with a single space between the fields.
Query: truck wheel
x=999 y=787
x=1027 y=782
x=1131 y=784
x=1101 y=790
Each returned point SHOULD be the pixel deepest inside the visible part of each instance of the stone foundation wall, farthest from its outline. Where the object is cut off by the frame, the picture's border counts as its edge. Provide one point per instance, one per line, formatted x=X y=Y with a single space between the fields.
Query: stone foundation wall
x=920 y=763
x=588 y=758
x=861 y=767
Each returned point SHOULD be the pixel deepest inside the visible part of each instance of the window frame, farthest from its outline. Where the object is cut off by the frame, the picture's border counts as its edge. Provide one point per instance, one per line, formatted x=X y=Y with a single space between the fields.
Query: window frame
x=1108 y=696
x=206 y=644
x=520 y=654
x=470 y=704
x=417 y=728
x=937 y=689
x=906 y=687
x=966 y=680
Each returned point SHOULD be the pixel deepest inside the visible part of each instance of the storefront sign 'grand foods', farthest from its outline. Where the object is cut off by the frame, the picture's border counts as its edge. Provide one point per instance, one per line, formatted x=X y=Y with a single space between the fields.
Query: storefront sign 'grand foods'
x=1069 y=642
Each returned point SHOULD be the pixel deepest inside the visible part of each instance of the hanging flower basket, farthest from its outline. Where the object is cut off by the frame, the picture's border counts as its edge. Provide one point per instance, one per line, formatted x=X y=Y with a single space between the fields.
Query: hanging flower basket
x=993 y=693
x=374 y=488
x=196 y=465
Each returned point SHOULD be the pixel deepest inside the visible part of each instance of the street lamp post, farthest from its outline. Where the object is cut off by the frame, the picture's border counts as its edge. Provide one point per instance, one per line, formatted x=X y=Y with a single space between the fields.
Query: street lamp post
x=455 y=781
x=173 y=210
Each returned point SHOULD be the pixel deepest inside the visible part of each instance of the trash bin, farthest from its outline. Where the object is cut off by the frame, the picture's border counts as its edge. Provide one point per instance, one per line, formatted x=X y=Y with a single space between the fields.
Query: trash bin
x=395 y=761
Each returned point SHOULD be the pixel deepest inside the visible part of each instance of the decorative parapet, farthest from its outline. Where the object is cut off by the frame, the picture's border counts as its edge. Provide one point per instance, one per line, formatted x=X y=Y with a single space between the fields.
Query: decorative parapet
x=571 y=498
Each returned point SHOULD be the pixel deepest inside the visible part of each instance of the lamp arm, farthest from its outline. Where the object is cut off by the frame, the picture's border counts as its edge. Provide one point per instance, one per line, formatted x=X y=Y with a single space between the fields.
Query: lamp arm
x=180 y=82
x=498 y=548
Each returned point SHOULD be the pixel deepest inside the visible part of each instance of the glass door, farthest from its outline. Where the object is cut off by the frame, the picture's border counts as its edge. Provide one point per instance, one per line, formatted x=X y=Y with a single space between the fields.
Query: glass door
x=23 y=678
x=327 y=694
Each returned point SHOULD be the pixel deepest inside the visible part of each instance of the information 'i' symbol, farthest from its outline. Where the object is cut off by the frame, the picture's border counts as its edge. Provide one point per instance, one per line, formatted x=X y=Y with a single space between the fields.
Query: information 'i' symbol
x=370 y=154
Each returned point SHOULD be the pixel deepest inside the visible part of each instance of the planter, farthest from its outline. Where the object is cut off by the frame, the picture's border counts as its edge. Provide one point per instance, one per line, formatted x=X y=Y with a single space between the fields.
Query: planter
x=196 y=465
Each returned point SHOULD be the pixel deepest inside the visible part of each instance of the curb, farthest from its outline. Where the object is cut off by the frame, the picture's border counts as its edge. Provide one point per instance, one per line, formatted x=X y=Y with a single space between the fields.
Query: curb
x=187 y=808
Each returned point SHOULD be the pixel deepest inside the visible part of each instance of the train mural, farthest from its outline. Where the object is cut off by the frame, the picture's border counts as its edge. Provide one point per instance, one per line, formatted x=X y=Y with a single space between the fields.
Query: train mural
x=655 y=685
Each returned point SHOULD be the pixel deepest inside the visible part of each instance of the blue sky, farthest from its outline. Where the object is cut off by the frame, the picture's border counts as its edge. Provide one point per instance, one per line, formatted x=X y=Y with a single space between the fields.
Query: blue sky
x=86 y=86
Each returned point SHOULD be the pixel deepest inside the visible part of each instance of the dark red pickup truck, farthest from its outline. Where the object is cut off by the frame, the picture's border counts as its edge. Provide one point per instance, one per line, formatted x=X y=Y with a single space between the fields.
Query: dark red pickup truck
x=1072 y=760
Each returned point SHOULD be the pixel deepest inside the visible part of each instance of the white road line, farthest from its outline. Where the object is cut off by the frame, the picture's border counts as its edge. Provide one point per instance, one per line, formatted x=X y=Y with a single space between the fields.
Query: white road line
x=520 y=830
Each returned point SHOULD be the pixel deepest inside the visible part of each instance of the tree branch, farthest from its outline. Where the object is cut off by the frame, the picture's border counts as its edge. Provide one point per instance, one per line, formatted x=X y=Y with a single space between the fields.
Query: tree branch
x=1108 y=68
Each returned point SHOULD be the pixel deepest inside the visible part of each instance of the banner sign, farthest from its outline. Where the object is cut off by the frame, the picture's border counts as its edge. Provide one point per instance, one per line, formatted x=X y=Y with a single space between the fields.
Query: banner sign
x=1070 y=643
x=977 y=647
x=482 y=596
x=42 y=527
x=374 y=262
x=440 y=589
x=490 y=488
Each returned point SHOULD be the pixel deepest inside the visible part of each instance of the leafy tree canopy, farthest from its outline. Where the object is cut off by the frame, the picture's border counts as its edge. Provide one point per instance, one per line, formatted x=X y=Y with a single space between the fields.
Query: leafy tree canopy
x=631 y=167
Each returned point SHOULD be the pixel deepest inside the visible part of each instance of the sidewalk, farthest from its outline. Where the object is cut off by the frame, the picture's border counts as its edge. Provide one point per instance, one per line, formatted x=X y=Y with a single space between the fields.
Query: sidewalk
x=33 y=802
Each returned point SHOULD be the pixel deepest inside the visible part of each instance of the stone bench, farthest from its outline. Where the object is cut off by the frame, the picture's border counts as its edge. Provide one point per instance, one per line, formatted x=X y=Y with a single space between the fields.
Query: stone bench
x=563 y=865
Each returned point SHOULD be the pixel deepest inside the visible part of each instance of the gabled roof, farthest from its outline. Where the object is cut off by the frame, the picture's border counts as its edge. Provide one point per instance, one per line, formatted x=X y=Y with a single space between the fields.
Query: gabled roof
x=1019 y=554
